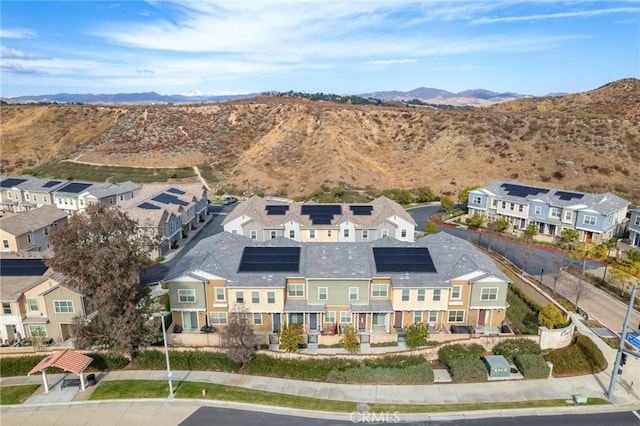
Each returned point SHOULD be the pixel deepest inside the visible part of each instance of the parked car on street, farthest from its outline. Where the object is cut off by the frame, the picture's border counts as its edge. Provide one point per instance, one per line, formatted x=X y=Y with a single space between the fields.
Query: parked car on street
x=229 y=200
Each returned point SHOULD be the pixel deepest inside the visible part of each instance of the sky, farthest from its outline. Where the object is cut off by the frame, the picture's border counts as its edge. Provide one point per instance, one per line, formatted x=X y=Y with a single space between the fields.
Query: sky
x=331 y=46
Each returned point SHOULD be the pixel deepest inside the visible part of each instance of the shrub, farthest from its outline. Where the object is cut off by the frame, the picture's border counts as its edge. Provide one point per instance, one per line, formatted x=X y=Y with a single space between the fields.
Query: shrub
x=290 y=337
x=551 y=317
x=532 y=366
x=349 y=340
x=303 y=369
x=107 y=361
x=411 y=375
x=189 y=360
x=417 y=335
x=512 y=347
x=468 y=370
x=455 y=352
x=583 y=357
x=21 y=365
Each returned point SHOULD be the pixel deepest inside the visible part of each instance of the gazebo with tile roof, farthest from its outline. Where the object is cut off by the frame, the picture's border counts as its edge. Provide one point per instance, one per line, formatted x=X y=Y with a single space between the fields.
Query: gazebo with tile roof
x=67 y=360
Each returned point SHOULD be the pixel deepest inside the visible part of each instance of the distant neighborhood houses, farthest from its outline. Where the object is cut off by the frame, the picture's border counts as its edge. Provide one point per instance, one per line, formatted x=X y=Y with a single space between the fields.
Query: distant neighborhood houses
x=263 y=219
x=29 y=231
x=634 y=228
x=596 y=217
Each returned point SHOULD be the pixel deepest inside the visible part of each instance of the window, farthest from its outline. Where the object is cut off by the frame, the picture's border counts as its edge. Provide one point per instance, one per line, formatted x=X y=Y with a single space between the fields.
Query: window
x=323 y=293
x=239 y=296
x=568 y=215
x=417 y=317
x=295 y=290
x=257 y=319
x=186 y=295
x=494 y=203
x=271 y=297
x=589 y=220
x=6 y=308
x=33 y=305
x=456 y=316
x=29 y=237
x=110 y=200
x=405 y=294
x=365 y=234
x=511 y=206
x=328 y=232
x=345 y=317
x=379 y=290
x=353 y=293
x=292 y=234
x=296 y=319
x=26 y=195
x=37 y=330
x=218 y=317
x=312 y=233
x=436 y=295
x=5 y=244
x=220 y=294
x=403 y=233
x=504 y=205
x=63 y=306
x=537 y=210
x=476 y=199
x=274 y=234
x=121 y=197
x=346 y=233
x=433 y=317
x=456 y=292
x=330 y=317
x=255 y=297
x=489 y=293
x=242 y=318
x=385 y=233
x=520 y=208
x=421 y=295
x=637 y=222
x=254 y=234
x=10 y=195
x=66 y=202
x=555 y=212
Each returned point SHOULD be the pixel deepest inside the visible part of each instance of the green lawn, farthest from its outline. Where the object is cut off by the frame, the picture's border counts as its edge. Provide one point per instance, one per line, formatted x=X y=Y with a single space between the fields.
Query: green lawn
x=16 y=394
x=123 y=389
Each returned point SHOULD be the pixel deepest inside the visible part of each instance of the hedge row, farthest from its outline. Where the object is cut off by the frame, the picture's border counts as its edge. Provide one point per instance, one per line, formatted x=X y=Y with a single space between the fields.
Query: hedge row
x=532 y=366
x=523 y=296
x=582 y=357
x=513 y=347
x=411 y=375
x=190 y=360
x=20 y=366
x=456 y=352
x=468 y=370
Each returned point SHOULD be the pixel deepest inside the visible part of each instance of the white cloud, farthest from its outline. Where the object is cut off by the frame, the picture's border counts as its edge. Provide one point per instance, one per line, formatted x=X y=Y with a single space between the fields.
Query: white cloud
x=17 y=33
x=391 y=61
x=560 y=15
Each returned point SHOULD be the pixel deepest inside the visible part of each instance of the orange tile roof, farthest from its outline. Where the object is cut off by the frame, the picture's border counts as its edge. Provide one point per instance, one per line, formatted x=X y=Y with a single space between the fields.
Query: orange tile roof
x=68 y=360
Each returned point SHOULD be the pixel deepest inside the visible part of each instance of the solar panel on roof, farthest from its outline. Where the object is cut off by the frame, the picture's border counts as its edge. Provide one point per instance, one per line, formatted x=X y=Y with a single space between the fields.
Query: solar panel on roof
x=276 y=210
x=165 y=198
x=51 y=183
x=176 y=191
x=321 y=214
x=566 y=196
x=22 y=267
x=270 y=259
x=361 y=210
x=403 y=259
x=522 y=191
x=9 y=182
x=148 y=206
x=75 y=187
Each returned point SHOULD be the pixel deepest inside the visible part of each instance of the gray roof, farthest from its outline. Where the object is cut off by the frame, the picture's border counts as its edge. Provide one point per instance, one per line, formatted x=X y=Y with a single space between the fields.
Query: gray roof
x=34 y=184
x=302 y=306
x=102 y=190
x=374 y=306
x=32 y=220
x=220 y=255
x=604 y=203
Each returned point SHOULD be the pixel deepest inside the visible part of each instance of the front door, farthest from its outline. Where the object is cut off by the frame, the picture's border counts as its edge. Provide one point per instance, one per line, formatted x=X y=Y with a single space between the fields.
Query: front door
x=313 y=321
x=397 y=319
x=482 y=317
x=276 y=322
x=362 y=321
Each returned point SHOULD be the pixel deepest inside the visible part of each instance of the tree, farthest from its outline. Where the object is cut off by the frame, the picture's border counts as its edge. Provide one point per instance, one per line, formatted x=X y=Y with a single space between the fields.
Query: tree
x=238 y=338
x=398 y=195
x=463 y=195
x=103 y=258
x=502 y=224
x=475 y=221
x=531 y=231
x=447 y=203
x=633 y=255
x=337 y=191
x=431 y=228
x=349 y=340
x=551 y=317
x=417 y=335
x=569 y=236
x=556 y=271
x=424 y=195
x=290 y=337
x=621 y=276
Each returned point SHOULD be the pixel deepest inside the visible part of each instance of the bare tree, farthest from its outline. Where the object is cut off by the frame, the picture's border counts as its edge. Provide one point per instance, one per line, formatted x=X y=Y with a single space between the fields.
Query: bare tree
x=580 y=288
x=556 y=271
x=238 y=338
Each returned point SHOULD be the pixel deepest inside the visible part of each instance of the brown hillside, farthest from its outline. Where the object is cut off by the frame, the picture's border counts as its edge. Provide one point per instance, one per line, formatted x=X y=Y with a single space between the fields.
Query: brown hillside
x=285 y=146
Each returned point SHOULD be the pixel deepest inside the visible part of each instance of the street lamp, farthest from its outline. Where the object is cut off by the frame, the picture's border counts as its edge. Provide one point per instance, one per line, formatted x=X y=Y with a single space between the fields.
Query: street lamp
x=166 y=353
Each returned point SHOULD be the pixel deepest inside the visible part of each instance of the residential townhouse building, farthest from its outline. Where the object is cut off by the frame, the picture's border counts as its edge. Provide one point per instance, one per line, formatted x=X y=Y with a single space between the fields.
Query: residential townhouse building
x=439 y=280
x=36 y=303
x=263 y=219
x=25 y=192
x=29 y=231
x=168 y=213
x=634 y=228
x=597 y=217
